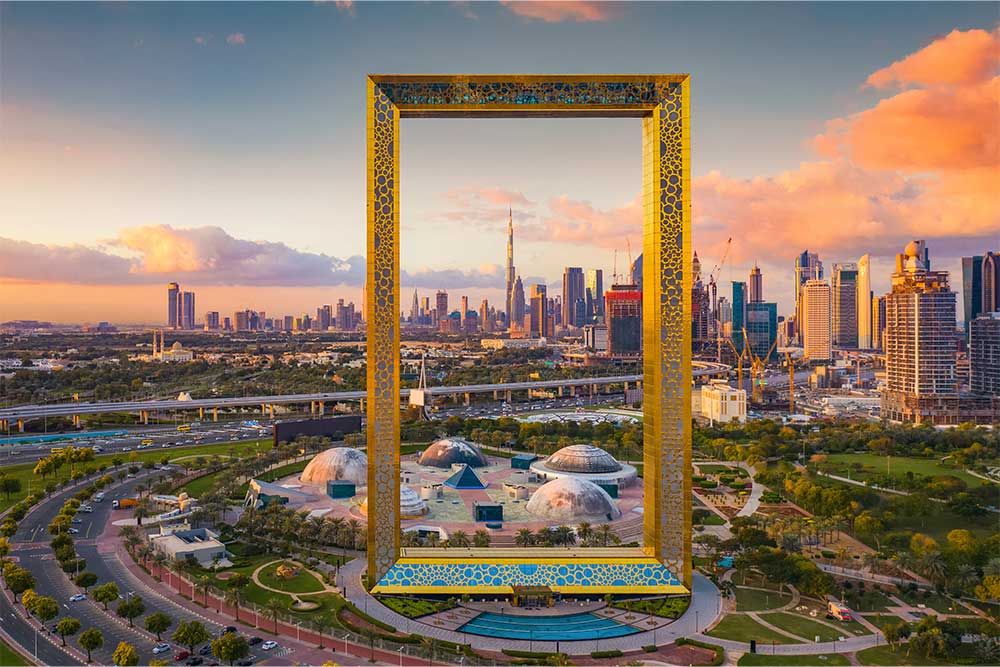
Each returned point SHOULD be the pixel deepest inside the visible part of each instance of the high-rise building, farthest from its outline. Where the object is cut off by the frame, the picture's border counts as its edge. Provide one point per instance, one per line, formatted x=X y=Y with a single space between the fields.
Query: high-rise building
x=756 y=285
x=635 y=272
x=324 y=317
x=415 y=309
x=972 y=288
x=227 y=324
x=991 y=282
x=739 y=315
x=623 y=310
x=864 y=303
x=844 y=291
x=919 y=342
x=441 y=304
x=242 y=320
x=878 y=323
x=486 y=316
x=173 y=293
x=510 y=262
x=186 y=315
x=539 y=313
x=984 y=354
x=762 y=327
x=816 y=325
x=595 y=293
x=807 y=267
x=463 y=314
x=572 y=290
x=517 y=305
x=346 y=320
x=212 y=320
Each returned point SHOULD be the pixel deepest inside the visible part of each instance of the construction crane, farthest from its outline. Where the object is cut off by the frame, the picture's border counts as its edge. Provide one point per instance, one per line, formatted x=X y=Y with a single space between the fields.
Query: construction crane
x=739 y=362
x=713 y=291
x=757 y=366
x=791 y=383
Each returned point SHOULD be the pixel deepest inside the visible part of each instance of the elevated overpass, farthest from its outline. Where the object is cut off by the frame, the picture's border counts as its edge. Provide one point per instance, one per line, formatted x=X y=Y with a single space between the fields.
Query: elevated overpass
x=317 y=401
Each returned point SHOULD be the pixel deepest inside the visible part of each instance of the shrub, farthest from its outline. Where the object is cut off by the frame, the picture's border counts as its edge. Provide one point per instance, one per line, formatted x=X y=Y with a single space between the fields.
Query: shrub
x=615 y=653
x=649 y=648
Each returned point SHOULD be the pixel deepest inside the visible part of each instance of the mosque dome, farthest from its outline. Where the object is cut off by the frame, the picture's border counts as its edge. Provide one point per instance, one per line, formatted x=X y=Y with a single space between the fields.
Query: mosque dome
x=411 y=505
x=446 y=452
x=570 y=499
x=912 y=249
x=337 y=463
x=586 y=459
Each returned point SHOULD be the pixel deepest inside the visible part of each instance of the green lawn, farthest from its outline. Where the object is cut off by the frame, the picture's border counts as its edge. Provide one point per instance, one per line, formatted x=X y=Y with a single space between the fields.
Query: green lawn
x=715 y=469
x=897 y=466
x=303 y=582
x=751 y=659
x=936 y=602
x=883 y=655
x=413 y=607
x=23 y=471
x=869 y=601
x=741 y=628
x=666 y=607
x=9 y=657
x=804 y=627
x=749 y=599
x=272 y=475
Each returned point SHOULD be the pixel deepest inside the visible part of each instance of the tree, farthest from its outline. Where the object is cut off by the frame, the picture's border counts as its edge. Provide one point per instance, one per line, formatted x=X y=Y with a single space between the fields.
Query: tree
x=91 y=639
x=18 y=579
x=131 y=608
x=230 y=647
x=9 y=485
x=125 y=655
x=273 y=609
x=45 y=608
x=67 y=627
x=85 y=580
x=481 y=539
x=157 y=623
x=989 y=590
x=106 y=593
x=190 y=634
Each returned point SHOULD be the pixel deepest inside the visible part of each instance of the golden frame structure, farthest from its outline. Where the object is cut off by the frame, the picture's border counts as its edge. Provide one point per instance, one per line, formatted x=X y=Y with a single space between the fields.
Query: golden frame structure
x=662 y=102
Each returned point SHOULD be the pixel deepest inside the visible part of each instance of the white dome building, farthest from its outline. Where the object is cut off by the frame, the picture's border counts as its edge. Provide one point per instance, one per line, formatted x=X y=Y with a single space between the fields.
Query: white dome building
x=587 y=462
x=446 y=452
x=337 y=463
x=571 y=499
x=411 y=505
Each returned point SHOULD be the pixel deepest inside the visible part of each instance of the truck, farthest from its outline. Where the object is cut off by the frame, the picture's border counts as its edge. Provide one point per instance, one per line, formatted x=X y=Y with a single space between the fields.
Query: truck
x=123 y=503
x=838 y=610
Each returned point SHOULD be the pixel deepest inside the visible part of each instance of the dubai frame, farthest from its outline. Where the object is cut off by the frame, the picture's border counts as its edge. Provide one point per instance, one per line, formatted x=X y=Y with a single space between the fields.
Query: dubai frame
x=662 y=103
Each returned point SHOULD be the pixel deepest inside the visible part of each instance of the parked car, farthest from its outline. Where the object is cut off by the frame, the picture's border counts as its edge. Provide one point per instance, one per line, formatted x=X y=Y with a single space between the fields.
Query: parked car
x=205 y=650
x=269 y=645
x=181 y=655
x=245 y=662
x=253 y=641
x=78 y=597
x=194 y=660
x=72 y=531
x=161 y=648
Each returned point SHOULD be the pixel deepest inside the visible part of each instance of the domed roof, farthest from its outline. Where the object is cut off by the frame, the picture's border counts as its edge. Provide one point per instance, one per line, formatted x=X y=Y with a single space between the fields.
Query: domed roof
x=911 y=249
x=446 y=452
x=337 y=463
x=583 y=459
x=572 y=499
x=411 y=505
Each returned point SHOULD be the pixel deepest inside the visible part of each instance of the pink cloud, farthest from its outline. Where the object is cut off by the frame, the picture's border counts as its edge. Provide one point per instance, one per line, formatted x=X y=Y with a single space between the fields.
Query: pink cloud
x=236 y=39
x=961 y=57
x=580 y=11
x=201 y=40
x=575 y=221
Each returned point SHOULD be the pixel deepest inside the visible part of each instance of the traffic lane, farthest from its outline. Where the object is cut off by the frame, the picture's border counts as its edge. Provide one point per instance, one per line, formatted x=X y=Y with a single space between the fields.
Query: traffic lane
x=32 y=639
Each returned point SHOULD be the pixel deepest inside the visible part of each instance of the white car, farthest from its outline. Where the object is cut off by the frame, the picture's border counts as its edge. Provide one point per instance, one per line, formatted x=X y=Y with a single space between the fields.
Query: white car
x=78 y=597
x=161 y=648
x=72 y=531
x=269 y=645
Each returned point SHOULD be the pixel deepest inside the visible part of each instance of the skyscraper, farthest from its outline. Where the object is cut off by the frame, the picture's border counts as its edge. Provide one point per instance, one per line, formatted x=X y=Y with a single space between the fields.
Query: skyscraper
x=972 y=288
x=863 y=298
x=441 y=305
x=816 y=322
x=463 y=313
x=186 y=315
x=510 y=262
x=212 y=320
x=919 y=342
x=991 y=282
x=984 y=355
x=173 y=291
x=635 y=271
x=756 y=285
x=517 y=304
x=807 y=267
x=623 y=308
x=415 y=309
x=572 y=291
x=539 y=316
x=878 y=323
x=761 y=326
x=845 y=306
x=595 y=293
x=739 y=316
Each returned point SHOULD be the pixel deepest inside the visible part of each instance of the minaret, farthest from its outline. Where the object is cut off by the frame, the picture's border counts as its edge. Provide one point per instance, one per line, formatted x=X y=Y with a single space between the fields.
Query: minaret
x=510 y=260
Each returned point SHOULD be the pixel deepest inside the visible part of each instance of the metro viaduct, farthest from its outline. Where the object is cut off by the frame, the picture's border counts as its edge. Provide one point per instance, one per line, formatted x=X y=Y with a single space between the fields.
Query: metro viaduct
x=317 y=401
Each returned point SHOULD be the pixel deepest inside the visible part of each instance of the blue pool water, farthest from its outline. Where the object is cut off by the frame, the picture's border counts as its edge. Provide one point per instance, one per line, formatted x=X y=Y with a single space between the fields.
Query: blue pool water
x=546 y=628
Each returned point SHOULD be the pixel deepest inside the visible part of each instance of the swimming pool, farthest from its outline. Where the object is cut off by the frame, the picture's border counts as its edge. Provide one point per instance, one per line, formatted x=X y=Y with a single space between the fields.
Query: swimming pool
x=546 y=628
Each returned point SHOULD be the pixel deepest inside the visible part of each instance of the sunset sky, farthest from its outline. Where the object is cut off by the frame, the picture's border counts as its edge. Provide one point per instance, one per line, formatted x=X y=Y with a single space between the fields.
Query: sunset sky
x=222 y=145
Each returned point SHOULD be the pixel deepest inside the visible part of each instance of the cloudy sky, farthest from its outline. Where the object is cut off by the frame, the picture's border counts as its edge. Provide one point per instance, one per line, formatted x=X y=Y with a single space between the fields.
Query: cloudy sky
x=222 y=145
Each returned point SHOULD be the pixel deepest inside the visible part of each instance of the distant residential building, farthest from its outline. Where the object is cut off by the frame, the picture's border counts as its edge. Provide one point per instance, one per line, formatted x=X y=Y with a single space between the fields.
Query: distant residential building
x=212 y=320
x=762 y=327
x=623 y=309
x=844 y=293
x=574 y=289
x=347 y=318
x=511 y=343
x=739 y=318
x=595 y=294
x=441 y=305
x=972 y=288
x=173 y=299
x=539 y=312
x=807 y=267
x=863 y=300
x=722 y=403
x=816 y=326
x=635 y=272
x=595 y=337
x=984 y=355
x=878 y=323
x=991 y=282
x=756 y=285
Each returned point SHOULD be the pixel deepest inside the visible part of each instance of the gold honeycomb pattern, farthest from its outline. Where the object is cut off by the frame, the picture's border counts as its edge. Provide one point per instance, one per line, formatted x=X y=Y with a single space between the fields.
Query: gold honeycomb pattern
x=662 y=101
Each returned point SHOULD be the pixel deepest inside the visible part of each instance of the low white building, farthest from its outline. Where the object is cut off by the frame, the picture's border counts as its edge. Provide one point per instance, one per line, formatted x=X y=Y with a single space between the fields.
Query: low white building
x=199 y=544
x=723 y=403
x=511 y=343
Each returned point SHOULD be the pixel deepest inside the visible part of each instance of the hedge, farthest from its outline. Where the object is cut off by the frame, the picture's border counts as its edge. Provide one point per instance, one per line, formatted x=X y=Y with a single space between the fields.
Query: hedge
x=606 y=654
x=720 y=654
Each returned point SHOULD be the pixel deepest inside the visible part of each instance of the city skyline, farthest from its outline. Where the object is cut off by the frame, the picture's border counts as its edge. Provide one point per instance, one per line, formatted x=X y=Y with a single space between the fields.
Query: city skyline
x=817 y=172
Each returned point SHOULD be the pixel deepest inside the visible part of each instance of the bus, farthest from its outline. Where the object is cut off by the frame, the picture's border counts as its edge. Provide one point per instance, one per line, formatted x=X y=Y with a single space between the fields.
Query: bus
x=184 y=427
x=146 y=442
x=56 y=450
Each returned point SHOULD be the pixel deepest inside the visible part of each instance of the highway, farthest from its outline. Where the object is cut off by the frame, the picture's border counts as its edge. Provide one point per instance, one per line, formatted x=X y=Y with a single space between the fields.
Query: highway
x=13 y=414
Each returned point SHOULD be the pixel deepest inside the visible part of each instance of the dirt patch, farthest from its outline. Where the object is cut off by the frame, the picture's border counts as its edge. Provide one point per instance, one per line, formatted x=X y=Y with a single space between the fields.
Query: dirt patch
x=687 y=654
x=222 y=576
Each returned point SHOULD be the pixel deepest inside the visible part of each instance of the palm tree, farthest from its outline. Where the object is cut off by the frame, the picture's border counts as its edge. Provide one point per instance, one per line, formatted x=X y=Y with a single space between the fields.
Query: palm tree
x=206 y=584
x=524 y=538
x=584 y=531
x=481 y=539
x=272 y=609
x=458 y=539
x=934 y=567
x=234 y=598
